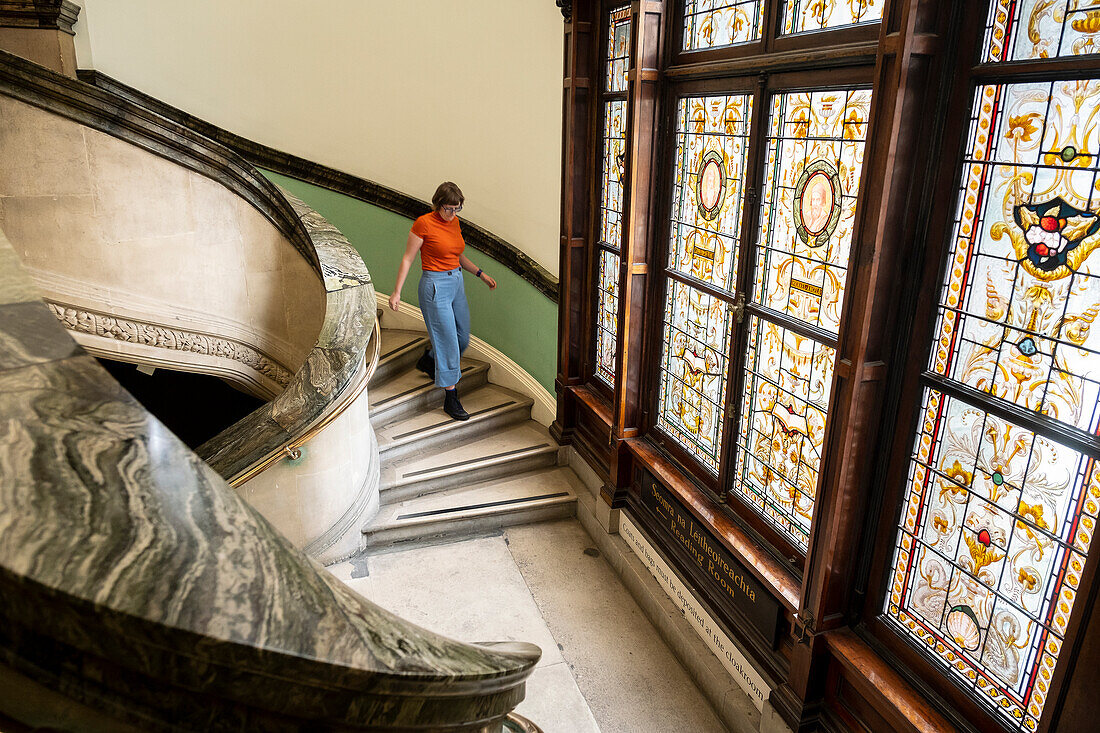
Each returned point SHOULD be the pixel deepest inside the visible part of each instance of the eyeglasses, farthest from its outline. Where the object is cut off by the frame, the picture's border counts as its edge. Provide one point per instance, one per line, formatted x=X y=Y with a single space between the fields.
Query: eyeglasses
x=450 y=209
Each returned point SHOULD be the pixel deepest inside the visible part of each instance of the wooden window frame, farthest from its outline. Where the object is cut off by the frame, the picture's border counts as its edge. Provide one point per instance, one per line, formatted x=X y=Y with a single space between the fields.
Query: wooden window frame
x=761 y=88
x=914 y=340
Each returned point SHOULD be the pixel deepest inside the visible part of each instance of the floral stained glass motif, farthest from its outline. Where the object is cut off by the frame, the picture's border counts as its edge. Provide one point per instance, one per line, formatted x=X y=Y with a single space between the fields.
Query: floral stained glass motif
x=607 y=318
x=614 y=164
x=618 y=50
x=784 y=406
x=995 y=529
x=693 y=370
x=1018 y=30
x=711 y=148
x=719 y=23
x=800 y=16
x=815 y=158
x=1022 y=290
x=997 y=519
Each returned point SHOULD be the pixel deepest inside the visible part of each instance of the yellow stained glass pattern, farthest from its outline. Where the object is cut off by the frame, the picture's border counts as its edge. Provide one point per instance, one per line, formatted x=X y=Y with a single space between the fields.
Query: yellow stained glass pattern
x=1018 y=30
x=784 y=407
x=711 y=149
x=1022 y=290
x=618 y=50
x=815 y=159
x=998 y=519
x=801 y=16
x=693 y=371
x=607 y=319
x=613 y=172
x=711 y=146
x=720 y=23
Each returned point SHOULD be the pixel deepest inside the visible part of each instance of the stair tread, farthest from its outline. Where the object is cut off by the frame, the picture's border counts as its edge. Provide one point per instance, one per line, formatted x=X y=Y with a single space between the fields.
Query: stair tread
x=408 y=381
x=550 y=485
x=524 y=436
x=484 y=399
x=394 y=339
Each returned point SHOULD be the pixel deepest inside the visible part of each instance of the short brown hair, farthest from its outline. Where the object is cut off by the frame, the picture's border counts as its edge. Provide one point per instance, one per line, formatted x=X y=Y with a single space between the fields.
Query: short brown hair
x=448 y=194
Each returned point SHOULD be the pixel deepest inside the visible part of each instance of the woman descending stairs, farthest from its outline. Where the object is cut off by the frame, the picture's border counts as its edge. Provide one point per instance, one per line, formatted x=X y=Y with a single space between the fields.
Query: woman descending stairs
x=444 y=479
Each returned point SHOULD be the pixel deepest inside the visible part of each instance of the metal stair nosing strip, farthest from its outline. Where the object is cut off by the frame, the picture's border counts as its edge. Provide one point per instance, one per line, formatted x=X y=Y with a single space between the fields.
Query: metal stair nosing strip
x=480 y=517
x=402 y=403
x=400 y=486
x=397 y=360
x=433 y=435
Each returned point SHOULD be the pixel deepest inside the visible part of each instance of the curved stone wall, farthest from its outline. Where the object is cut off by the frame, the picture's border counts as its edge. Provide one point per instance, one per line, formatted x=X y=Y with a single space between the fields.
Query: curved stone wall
x=135 y=581
x=149 y=262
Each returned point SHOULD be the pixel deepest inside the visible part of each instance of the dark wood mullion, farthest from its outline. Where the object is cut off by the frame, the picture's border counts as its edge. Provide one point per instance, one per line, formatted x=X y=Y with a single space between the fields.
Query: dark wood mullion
x=750 y=215
x=771 y=25
x=643 y=89
x=1043 y=70
x=894 y=151
x=704 y=287
x=576 y=202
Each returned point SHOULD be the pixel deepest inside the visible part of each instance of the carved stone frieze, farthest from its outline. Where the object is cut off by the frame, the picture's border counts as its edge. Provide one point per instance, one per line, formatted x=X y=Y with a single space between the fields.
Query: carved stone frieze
x=150 y=334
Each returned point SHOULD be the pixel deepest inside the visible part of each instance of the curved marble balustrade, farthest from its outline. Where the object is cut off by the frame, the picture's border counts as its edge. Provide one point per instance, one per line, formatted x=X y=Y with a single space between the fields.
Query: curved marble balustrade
x=76 y=153
x=321 y=499
x=135 y=581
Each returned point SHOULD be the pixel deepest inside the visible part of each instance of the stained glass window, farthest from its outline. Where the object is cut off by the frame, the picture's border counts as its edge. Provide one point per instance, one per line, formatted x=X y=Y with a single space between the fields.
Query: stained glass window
x=711 y=148
x=815 y=159
x=718 y=23
x=784 y=405
x=1017 y=30
x=611 y=193
x=999 y=515
x=814 y=163
x=618 y=50
x=1022 y=291
x=800 y=16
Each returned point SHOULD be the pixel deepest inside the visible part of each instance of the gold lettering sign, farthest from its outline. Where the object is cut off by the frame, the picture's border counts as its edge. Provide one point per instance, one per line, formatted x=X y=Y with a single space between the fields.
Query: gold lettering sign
x=689 y=538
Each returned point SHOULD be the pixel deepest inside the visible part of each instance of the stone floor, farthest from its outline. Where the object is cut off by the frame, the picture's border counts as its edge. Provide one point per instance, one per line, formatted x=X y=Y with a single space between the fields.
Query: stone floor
x=604 y=667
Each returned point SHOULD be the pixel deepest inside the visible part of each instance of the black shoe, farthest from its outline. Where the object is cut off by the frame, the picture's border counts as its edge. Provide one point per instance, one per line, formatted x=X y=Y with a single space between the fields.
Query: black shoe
x=452 y=406
x=426 y=364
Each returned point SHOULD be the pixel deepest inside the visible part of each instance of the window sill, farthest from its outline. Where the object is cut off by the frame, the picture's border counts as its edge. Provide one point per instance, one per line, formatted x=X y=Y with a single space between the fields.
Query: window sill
x=768 y=570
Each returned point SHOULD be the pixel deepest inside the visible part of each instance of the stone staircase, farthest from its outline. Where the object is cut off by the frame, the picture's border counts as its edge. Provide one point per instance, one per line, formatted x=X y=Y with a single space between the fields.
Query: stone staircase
x=444 y=480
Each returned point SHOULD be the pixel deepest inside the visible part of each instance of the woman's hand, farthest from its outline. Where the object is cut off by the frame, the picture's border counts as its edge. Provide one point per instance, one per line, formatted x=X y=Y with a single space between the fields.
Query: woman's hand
x=488 y=280
x=395 y=301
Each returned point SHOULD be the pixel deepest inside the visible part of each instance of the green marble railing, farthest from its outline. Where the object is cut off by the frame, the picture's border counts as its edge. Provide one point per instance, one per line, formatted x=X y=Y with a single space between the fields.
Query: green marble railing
x=135 y=581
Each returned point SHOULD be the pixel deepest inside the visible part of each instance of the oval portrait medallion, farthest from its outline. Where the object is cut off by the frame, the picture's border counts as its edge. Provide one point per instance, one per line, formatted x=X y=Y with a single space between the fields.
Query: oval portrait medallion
x=817 y=203
x=710 y=184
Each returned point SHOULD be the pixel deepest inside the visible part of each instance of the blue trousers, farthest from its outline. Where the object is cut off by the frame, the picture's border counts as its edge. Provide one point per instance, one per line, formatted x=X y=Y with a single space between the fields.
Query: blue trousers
x=442 y=298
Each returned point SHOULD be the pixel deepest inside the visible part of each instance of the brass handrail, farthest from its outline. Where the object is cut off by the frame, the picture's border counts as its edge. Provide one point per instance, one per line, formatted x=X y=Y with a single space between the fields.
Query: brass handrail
x=293 y=448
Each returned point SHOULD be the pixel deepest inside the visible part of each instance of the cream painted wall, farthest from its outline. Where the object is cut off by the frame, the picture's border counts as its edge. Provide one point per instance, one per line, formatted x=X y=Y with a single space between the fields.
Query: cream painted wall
x=407 y=94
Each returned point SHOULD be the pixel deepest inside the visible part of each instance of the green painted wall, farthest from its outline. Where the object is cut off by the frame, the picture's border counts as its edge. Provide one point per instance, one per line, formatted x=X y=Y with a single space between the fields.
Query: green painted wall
x=515 y=318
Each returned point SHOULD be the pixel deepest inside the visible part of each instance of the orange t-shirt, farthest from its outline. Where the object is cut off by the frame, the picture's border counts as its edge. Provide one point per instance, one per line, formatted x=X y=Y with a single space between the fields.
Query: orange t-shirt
x=443 y=242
